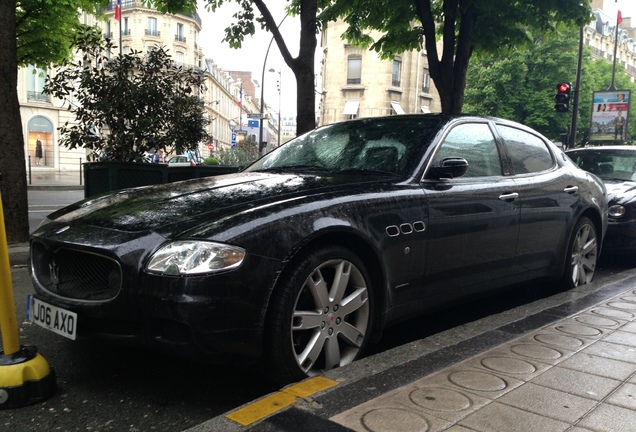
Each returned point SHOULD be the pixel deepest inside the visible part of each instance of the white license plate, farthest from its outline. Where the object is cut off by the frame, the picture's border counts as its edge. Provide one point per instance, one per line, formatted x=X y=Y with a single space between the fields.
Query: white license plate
x=51 y=317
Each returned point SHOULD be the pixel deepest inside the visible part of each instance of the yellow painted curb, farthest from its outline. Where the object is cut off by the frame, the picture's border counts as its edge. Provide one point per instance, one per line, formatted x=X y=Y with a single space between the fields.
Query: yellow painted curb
x=270 y=404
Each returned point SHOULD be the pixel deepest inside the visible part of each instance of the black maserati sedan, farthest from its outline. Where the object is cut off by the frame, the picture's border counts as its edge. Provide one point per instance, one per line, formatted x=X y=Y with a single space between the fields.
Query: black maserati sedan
x=298 y=261
x=616 y=166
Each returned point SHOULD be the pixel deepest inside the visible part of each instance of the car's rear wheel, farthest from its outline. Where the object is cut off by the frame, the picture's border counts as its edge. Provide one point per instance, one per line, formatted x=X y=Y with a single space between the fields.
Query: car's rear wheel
x=582 y=254
x=320 y=315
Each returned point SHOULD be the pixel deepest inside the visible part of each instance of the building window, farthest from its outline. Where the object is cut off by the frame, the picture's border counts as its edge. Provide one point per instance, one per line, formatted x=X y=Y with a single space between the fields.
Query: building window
x=180 y=35
x=35 y=84
x=426 y=83
x=397 y=73
x=179 y=58
x=151 y=30
x=125 y=29
x=108 y=32
x=354 y=69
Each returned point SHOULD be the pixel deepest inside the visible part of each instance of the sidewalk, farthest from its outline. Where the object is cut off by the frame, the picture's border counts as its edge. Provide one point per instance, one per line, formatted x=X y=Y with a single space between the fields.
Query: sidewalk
x=54 y=179
x=568 y=366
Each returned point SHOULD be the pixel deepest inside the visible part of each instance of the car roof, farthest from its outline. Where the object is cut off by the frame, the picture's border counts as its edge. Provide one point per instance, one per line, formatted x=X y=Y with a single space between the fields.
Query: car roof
x=603 y=148
x=444 y=118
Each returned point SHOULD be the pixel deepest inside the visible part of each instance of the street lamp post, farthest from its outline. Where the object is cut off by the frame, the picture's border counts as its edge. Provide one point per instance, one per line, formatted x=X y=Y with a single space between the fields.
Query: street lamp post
x=280 y=84
x=261 y=146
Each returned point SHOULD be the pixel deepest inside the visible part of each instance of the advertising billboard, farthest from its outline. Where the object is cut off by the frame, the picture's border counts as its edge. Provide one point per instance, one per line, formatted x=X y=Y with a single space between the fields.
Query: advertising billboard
x=610 y=114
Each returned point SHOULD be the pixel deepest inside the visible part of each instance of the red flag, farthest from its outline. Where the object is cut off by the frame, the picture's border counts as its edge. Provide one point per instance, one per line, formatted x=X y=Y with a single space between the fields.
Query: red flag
x=240 y=97
x=118 y=11
x=620 y=17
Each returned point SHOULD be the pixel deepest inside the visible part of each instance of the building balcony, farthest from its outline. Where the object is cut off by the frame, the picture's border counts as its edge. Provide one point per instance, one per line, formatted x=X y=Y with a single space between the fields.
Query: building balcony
x=153 y=33
x=126 y=4
x=38 y=96
x=179 y=38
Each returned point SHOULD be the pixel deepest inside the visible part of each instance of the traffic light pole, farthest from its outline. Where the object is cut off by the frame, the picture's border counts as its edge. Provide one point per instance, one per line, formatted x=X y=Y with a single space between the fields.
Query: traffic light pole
x=577 y=88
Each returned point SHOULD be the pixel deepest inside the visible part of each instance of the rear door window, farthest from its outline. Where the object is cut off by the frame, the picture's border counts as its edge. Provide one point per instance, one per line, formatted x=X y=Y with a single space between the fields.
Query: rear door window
x=528 y=153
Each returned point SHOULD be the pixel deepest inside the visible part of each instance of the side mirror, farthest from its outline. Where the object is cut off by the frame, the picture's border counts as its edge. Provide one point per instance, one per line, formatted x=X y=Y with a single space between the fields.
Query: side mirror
x=448 y=169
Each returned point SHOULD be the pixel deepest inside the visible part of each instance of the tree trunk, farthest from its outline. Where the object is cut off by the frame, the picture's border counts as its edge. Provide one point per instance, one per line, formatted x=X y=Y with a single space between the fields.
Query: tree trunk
x=306 y=96
x=303 y=67
x=449 y=73
x=12 y=157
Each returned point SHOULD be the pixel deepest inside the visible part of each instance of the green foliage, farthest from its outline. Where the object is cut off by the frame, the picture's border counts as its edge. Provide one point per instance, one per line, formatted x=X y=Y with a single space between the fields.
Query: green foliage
x=242 y=155
x=46 y=29
x=464 y=27
x=521 y=85
x=126 y=105
x=211 y=161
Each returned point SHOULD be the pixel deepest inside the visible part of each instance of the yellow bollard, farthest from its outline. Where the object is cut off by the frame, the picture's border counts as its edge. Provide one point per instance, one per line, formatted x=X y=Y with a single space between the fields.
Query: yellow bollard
x=25 y=376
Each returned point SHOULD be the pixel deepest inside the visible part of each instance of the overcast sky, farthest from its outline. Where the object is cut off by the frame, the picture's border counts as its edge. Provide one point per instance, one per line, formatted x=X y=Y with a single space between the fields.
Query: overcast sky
x=252 y=54
x=627 y=8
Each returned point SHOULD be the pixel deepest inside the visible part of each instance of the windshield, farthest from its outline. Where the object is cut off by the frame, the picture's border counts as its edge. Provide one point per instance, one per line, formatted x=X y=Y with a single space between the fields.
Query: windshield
x=392 y=145
x=608 y=164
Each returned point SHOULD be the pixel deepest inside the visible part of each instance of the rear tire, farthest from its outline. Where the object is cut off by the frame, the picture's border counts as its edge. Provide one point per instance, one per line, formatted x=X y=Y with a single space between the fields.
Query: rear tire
x=320 y=315
x=582 y=255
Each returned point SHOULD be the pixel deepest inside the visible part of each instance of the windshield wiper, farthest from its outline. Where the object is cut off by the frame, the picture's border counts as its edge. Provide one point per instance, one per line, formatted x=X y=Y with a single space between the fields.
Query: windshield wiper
x=368 y=171
x=294 y=168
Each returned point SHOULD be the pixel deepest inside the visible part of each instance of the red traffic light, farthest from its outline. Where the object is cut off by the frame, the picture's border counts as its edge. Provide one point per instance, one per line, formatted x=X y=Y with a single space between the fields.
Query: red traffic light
x=563 y=87
x=563 y=97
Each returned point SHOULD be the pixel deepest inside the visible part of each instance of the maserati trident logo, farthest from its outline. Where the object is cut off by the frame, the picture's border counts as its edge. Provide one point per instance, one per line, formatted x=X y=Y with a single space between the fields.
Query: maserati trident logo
x=54 y=274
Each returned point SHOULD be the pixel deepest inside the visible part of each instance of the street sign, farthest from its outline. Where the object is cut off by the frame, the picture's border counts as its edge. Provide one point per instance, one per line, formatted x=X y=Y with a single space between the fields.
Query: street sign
x=233 y=139
x=249 y=115
x=211 y=147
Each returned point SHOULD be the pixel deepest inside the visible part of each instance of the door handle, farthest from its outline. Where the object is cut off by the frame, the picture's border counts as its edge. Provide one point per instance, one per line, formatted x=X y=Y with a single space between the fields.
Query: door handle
x=571 y=189
x=511 y=196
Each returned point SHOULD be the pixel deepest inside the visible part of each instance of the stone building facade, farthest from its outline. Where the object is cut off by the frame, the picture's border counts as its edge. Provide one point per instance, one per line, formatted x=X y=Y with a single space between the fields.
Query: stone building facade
x=600 y=35
x=355 y=82
x=142 y=28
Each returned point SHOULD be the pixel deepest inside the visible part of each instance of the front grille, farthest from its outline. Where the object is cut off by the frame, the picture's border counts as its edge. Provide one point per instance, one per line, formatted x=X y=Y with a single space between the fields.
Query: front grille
x=76 y=274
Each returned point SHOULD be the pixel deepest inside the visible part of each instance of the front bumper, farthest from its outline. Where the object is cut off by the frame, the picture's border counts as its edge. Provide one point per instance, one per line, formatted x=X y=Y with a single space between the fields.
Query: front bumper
x=213 y=318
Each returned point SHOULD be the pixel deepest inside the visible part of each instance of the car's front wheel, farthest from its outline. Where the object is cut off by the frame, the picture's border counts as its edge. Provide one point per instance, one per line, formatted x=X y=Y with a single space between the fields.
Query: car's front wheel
x=320 y=315
x=582 y=255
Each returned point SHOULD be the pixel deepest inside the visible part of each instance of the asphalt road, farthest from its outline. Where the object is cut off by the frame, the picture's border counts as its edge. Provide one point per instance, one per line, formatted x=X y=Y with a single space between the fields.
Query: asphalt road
x=43 y=202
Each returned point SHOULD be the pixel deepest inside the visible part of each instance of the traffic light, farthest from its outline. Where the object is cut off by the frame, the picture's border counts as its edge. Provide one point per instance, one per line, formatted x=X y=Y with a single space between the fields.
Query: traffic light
x=563 y=97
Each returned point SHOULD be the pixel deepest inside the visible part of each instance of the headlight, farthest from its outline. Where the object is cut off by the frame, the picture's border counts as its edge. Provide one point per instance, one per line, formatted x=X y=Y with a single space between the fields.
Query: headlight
x=191 y=257
x=617 y=210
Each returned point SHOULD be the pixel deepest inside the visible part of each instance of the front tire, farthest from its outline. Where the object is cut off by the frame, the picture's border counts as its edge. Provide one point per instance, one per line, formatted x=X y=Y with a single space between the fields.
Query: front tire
x=320 y=315
x=582 y=255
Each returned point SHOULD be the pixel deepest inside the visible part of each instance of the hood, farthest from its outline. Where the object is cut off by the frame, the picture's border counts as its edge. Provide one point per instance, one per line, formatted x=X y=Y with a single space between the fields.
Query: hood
x=192 y=202
x=620 y=191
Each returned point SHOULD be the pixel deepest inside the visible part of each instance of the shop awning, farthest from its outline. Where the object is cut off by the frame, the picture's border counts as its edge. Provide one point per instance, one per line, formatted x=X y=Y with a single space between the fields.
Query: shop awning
x=351 y=107
x=397 y=107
